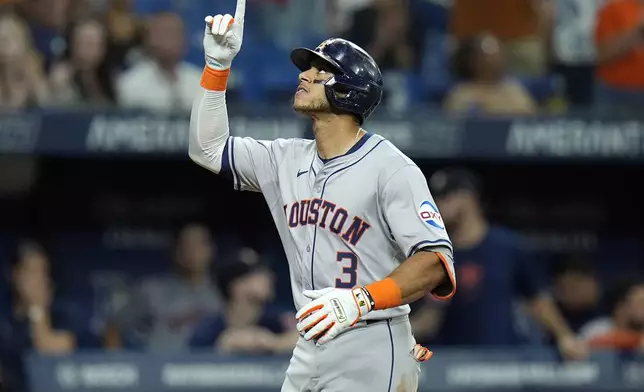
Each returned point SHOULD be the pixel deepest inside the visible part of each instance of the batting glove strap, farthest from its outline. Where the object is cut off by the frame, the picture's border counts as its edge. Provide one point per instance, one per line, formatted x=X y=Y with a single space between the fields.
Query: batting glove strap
x=363 y=300
x=384 y=294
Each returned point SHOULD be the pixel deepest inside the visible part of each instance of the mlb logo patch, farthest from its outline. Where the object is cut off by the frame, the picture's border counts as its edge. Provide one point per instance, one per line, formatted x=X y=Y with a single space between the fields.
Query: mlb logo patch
x=429 y=214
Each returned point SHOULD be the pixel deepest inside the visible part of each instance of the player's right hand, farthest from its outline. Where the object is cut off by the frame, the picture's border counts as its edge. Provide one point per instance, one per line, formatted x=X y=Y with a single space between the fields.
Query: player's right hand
x=223 y=37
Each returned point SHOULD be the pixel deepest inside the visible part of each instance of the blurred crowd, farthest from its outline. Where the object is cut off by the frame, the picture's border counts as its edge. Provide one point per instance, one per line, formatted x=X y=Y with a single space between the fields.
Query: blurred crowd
x=220 y=296
x=504 y=57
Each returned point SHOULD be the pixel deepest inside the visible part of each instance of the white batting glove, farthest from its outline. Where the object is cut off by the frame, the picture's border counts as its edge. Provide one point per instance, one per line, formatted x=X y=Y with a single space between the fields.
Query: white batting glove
x=223 y=38
x=331 y=312
x=421 y=353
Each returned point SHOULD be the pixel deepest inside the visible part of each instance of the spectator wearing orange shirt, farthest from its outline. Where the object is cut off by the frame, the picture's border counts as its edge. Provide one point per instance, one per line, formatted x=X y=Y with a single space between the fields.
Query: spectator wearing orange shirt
x=619 y=37
x=624 y=329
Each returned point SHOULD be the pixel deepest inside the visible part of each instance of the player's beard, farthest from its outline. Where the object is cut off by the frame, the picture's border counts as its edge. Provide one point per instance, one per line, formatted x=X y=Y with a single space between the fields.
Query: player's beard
x=317 y=105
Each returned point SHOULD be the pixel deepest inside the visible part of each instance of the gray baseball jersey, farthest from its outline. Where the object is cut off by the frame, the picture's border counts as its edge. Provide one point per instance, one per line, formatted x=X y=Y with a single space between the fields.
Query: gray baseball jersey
x=347 y=221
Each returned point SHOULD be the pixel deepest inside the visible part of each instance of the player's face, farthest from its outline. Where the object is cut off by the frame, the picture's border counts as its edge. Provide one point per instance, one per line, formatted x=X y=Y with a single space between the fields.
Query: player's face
x=310 y=96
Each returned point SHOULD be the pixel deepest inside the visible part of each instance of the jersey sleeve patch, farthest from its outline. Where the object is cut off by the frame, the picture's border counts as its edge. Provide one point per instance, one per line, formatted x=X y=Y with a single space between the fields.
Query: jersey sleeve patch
x=428 y=213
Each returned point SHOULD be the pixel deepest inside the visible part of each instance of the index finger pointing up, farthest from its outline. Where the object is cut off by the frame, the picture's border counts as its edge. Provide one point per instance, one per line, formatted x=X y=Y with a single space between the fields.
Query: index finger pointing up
x=240 y=11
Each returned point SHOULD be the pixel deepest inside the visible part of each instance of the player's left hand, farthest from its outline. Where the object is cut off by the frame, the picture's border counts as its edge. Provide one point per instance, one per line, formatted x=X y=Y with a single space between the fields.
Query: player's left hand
x=331 y=312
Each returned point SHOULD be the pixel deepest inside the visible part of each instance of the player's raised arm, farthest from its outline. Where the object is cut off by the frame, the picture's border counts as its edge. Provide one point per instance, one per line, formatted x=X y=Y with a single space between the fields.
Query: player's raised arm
x=249 y=163
x=209 y=120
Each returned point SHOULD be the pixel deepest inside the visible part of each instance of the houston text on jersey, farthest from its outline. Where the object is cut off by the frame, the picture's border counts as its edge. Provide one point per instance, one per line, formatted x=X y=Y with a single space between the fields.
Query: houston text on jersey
x=326 y=215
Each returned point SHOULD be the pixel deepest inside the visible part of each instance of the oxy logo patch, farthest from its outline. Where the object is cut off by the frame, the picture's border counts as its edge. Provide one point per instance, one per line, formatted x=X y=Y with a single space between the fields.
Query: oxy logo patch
x=428 y=212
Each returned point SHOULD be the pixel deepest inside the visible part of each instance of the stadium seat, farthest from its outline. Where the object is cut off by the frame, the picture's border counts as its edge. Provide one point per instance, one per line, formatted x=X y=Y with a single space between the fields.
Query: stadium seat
x=415 y=87
x=543 y=88
x=88 y=255
x=267 y=71
x=432 y=13
x=435 y=67
x=7 y=242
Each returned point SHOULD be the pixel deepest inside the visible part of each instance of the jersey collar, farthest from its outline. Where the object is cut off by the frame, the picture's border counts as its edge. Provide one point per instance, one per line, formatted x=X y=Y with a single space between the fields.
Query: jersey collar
x=356 y=147
x=357 y=152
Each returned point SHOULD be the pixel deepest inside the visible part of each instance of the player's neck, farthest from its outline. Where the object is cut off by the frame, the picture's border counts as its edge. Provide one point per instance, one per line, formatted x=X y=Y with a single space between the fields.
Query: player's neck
x=334 y=137
x=469 y=232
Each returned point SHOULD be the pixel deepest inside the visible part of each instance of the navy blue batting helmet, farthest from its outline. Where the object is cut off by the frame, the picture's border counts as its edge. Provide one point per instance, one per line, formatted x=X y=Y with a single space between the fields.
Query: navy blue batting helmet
x=356 y=86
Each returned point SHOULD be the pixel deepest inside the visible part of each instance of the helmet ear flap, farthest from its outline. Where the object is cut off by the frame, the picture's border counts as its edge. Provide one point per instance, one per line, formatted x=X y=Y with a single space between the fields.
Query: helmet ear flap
x=341 y=91
x=342 y=98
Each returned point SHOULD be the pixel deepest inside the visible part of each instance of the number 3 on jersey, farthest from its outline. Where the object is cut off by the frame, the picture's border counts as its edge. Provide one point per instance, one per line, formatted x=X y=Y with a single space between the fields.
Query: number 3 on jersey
x=349 y=278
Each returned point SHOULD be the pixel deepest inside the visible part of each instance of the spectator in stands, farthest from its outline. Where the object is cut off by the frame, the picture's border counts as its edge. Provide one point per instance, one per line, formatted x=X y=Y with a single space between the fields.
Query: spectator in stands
x=522 y=26
x=83 y=75
x=619 y=38
x=483 y=87
x=79 y=10
x=22 y=80
x=288 y=23
x=576 y=291
x=249 y=324
x=47 y=20
x=573 y=48
x=495 y=268
x=36 y=321
x=124 y=32
x=164 y=310
x=164 y=83
x=624 y=329
x=340 y=12
x=393 y=37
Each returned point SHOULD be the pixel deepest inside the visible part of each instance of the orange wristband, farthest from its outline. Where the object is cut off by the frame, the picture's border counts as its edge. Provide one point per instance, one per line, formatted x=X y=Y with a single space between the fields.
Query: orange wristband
x=385 y=294
x=214 y=80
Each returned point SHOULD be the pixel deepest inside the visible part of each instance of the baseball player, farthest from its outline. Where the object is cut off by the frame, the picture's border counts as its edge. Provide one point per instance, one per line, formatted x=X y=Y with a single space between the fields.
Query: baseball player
x=360 y=229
